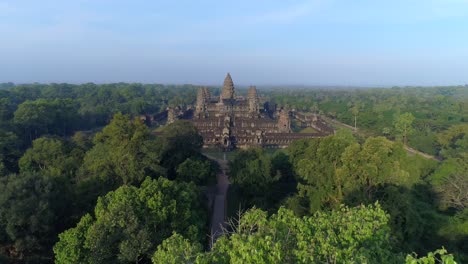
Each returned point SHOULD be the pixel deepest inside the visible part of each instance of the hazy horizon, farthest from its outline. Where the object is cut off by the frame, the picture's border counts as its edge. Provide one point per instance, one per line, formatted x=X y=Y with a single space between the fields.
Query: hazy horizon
x=263 y=43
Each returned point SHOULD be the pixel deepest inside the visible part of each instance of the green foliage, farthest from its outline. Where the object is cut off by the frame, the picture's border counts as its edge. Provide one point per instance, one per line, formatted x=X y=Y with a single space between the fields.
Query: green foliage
x=30 y=205
x=252 y=169
x=316 y=170
x=335 y=168
x=52 y=156
x=455 y=234
x=9 y=152
x=457 y=227
x=403 y=126
x=434 y=109
x=176 y=249
x=201 y=172
x=51 y=192
x=131 y=222
x=374 y=163
x=71 y=247
x=453 y=191
x=346 y=235
x=438 y=256
x=413 y=218
x=450 y=182
x=178 y=141
x=43 y=116
x=454 y=140
x=280 y=163
x=123 y=153
x=253 y=172
x=418 y=168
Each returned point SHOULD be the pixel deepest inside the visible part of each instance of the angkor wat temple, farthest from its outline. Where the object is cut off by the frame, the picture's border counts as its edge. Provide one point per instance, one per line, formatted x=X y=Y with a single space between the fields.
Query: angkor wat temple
x=231 y=121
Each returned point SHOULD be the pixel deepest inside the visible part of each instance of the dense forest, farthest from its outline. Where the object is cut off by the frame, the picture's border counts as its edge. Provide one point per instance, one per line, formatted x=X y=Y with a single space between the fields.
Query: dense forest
x=84 y=180
x=385 y=112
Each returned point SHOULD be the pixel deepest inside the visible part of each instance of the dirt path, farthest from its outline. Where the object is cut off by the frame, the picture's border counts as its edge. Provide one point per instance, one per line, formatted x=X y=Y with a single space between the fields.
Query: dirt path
x=219 y=206
x=425 y=155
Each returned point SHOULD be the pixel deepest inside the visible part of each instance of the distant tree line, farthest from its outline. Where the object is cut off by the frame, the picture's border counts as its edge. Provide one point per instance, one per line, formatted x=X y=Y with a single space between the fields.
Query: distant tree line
x=414 y=115
x=30 y=111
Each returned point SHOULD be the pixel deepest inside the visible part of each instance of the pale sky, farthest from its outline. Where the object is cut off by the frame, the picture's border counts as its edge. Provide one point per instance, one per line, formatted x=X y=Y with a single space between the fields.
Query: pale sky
x=262 y=42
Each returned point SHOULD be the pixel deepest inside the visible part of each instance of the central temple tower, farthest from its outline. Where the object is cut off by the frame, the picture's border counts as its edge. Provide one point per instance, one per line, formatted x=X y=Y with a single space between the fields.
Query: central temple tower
x=228 y=89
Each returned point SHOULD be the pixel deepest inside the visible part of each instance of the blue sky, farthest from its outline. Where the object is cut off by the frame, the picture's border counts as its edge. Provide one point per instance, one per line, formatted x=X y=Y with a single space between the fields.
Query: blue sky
x=262 y=42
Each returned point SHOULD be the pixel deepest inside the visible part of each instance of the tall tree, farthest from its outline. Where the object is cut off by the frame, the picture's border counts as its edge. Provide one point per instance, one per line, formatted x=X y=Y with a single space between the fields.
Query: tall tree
x=253 y=172
x=52 y=156
x=355 y=109
x=403 y=126
x=178 y=141
x=199 y=171
x=177 y=249
x=373 y=164
x=9 y=152
x=30 y=206
x=124 y=152
x=319 y=182
x=46 y=116
x=454 y=140
x=129 y=223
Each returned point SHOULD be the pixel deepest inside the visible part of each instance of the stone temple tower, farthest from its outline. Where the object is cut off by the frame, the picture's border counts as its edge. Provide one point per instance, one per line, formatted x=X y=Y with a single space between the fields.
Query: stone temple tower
x=200 y=107
x=207 y=94
x=228 y=89
x=252 y=98
x=284 y=122
x=203 y=99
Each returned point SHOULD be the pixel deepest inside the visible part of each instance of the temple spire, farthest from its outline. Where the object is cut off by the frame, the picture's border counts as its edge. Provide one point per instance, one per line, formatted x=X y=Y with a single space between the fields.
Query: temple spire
x=228 y=88
x=252 y=99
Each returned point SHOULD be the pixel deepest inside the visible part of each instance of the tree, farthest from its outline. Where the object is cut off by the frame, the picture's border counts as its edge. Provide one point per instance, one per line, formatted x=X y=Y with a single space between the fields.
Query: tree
x=373 y=164
x=403 y=126
x=296 y=150
x=454 y=140
x=439 y=256
x=280 y=163
x=355 y=111
x=413 y=218
x=178 y=141
x=346 y=235
x=450 y=182
x=43 y=116
x=453 y=191
x=176 y=249
x=129 y=223
x=52 y=156
x=315 y=163
x=9 y=152
x=123 y=153
x=319 y=182
x=199 y=171
x=30 y=206
x=253 y=172
x=71 y=246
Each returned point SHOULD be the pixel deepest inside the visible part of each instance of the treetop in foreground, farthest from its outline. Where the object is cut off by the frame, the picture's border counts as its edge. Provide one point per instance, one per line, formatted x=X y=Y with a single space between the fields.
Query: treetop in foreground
x=129 y=223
